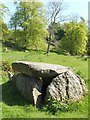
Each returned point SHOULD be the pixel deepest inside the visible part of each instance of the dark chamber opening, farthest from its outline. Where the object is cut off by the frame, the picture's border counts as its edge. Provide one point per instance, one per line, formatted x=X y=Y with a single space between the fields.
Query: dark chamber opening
x=46 y=81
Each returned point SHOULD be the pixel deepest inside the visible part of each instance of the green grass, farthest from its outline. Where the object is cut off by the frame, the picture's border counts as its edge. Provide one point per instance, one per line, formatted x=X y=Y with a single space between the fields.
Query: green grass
x=15 y=106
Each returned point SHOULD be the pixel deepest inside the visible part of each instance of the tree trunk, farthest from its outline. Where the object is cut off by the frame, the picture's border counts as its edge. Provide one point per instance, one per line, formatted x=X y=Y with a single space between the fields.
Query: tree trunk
x=25 y=27
x=15 y=32
x=49 y=42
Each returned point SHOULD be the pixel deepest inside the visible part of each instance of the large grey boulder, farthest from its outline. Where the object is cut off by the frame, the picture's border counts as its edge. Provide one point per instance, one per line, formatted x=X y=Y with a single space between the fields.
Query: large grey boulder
x=66 y=86
x=37 y=69
x=29 y=87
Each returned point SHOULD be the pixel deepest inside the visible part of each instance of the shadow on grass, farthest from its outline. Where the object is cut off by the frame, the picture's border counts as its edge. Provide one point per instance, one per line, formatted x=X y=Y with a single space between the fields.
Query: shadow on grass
x=11 y=96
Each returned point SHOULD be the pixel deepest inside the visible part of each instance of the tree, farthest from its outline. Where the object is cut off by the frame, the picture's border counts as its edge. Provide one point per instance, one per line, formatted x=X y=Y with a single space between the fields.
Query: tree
x=3 y=10
x=5 y=32
x=57 y=34
x=3 y=27
x=14 y=23
x=54 y=15
x=88 y=44
x=32 y=22
x=75 y=39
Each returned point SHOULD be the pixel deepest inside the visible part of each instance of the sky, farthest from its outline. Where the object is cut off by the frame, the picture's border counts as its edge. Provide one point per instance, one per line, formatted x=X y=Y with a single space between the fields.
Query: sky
x=76 y=7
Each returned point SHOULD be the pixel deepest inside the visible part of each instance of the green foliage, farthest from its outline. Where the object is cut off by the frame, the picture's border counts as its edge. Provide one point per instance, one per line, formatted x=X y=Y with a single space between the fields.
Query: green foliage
x=20 y=40
x=88 y=44
x=6 y=65
x=75 y=39
x=4 y=32
x=56 y=31
x=89 y=36
x=3 y=27
x=55 y=106
x=30 y=18
x=3 y=10
x=10 y=36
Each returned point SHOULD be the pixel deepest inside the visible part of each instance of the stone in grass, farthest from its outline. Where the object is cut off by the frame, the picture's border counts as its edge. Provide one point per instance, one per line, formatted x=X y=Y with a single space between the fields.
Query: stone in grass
x=29 y=87
x=36 y=69
x=66 y=86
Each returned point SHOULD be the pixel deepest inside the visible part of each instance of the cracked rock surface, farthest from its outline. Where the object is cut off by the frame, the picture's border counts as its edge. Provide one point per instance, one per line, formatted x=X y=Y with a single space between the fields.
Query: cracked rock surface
x=66 y=86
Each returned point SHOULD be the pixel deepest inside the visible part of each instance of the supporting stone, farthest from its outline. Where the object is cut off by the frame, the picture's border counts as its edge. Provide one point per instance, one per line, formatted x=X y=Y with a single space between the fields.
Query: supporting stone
x=29 y=87
x=66 y=86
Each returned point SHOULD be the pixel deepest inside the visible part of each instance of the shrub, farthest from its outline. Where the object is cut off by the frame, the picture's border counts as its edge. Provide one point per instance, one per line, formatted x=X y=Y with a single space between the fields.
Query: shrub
x=6 y=66
x=54 y=106
x=75 y=39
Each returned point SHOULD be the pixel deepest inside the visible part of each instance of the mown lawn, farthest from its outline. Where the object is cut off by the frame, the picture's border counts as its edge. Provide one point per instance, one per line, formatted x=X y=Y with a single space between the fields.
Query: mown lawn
x=15 y=106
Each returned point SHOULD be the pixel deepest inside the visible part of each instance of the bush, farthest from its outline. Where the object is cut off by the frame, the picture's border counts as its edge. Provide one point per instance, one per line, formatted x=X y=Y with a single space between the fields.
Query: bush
x=6 y=66
x=75 y=39
x=55 y=106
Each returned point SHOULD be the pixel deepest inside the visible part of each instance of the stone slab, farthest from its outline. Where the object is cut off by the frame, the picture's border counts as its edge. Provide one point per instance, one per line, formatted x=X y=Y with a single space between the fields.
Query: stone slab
x=36 y=69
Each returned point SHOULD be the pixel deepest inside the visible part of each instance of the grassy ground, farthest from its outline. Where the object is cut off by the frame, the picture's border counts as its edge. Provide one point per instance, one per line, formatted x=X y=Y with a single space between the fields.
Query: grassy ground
x=15 y=106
